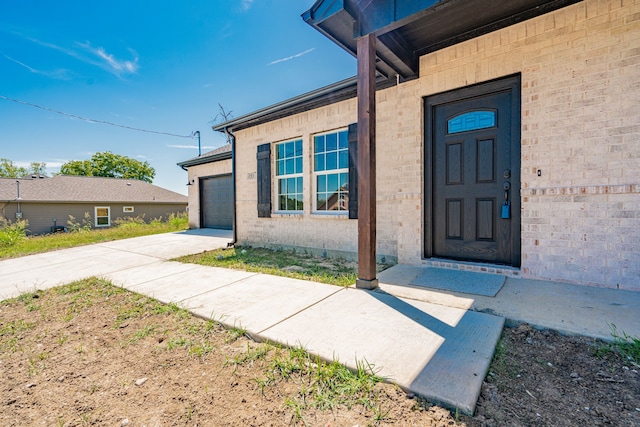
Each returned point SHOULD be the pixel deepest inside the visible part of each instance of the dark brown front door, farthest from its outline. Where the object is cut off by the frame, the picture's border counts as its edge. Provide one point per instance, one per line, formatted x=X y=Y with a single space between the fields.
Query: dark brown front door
x=475 y=175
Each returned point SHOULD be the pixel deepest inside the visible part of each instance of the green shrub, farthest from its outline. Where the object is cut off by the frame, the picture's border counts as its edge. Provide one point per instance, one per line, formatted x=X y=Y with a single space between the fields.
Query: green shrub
x=75 y=226
x=12 y=233
x=179 y=221
x=130 y=221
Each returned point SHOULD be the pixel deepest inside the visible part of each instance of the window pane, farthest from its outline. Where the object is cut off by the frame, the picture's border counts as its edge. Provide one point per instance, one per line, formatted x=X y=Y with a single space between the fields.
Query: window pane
x=102 y=221
x=343 y=157
x=332 y=161
x=344 y=181
x=332 y=183
x=299 y=185
x=291 y=185
x=298 y=148
x=288 y=149
x=319 y=163
x=280 y=167
x=319 y=144
x=298 y=165
x=322 y=183
x=289 y=166
x=102 y=212
x=473 y=120
x=299 y=204
x=332 y=142
x=291 y=203
x=321 y=202
x=282 y=186
x=280 y=151
x=343 y=140
x=282 y=203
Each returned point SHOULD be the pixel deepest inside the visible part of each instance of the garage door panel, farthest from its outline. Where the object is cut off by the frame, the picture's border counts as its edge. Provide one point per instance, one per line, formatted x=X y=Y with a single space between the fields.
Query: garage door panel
x=216 y=202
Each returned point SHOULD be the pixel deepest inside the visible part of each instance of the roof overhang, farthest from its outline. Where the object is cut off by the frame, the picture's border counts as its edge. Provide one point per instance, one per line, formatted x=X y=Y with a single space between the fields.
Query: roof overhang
x=339 y=91
x=204 y=160
x=408 y=29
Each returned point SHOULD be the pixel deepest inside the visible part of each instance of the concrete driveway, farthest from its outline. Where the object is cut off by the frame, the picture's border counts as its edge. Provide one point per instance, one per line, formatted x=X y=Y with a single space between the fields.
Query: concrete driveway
x=43 y=271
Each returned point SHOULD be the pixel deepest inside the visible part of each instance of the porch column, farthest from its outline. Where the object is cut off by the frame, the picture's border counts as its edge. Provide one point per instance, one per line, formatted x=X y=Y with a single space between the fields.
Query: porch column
x=367 y=163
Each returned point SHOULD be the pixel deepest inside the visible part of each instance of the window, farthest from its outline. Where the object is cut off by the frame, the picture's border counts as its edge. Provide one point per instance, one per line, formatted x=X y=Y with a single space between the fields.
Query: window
x=473 y=120
x=127 y=209
x=331 y=170
x=289 y=175
x=103 y=219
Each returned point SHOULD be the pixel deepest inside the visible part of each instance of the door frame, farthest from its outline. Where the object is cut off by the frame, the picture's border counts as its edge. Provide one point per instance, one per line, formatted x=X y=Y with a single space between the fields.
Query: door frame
x=510 y=84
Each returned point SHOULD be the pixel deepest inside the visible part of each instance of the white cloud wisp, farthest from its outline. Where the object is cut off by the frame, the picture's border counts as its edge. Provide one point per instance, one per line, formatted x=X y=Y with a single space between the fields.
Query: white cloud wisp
x=289 y=58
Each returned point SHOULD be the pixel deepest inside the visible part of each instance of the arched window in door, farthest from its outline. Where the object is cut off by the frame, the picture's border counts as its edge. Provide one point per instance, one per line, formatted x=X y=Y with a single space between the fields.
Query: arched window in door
x=472 y=120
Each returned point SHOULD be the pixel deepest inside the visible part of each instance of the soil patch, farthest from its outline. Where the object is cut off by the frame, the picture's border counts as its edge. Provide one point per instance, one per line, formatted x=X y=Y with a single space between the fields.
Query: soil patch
x=93 y=354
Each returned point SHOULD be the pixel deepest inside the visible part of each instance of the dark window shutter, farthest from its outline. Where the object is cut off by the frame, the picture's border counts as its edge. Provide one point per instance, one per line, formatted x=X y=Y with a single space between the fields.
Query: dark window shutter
x=264 y=180
x=353 y=171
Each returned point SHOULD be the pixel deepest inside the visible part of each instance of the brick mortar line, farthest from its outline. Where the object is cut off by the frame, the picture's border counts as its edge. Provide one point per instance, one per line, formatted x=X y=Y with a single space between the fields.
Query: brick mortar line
x=579 y=190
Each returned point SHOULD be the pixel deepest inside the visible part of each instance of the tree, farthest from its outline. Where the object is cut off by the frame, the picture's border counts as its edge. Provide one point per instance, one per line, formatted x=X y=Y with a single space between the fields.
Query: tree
x=38 y=168
x=9 y=170
x=111 y=165
x=223 y=116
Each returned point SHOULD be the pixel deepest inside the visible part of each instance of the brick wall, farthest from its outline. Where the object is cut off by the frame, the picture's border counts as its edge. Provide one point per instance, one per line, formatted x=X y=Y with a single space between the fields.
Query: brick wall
x=580 y=69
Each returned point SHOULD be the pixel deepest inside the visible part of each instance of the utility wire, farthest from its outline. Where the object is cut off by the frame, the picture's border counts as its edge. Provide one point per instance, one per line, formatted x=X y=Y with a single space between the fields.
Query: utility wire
x=94 y=120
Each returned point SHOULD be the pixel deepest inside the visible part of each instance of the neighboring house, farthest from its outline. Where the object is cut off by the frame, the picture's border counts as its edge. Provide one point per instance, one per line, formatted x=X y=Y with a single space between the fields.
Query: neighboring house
x=48 y=202
x=210 y=189
x=504 y=136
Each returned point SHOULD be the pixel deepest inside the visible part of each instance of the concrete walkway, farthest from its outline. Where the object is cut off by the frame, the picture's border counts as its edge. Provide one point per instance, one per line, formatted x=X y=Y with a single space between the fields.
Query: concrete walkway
x=431 y=343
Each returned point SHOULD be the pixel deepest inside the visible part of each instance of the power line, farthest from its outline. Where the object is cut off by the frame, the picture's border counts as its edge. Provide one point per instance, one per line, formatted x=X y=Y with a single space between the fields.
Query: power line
x=94 y=120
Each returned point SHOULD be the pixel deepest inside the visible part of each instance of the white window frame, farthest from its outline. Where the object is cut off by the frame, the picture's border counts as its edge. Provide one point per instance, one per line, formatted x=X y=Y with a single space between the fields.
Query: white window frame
x=344 y=208
x=297 y=174
x=108 y=216
x=128 y=209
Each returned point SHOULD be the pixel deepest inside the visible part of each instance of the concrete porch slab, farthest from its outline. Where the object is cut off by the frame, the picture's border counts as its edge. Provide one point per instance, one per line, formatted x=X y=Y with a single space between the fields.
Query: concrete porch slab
x=567 y=308
x=438 y=352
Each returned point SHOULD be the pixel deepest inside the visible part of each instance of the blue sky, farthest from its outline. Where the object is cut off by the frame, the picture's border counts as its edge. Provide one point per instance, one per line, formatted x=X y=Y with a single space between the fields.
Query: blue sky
x=156 y=65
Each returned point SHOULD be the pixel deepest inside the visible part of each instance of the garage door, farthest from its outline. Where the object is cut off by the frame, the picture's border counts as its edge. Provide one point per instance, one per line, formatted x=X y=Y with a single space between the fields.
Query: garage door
x=216 y=202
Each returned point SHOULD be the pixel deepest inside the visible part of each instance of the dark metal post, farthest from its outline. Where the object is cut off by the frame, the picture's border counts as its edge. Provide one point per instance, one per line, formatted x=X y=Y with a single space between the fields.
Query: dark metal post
x=367 y=162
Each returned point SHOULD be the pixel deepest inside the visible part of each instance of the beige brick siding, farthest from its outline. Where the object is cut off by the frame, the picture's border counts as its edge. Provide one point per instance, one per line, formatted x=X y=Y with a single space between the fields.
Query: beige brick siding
x=580 y=70
x=307 y=230
x=194 y=173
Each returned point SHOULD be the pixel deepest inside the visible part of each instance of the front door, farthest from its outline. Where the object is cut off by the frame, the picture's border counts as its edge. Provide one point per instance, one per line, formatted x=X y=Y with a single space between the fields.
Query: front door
x=475 y=174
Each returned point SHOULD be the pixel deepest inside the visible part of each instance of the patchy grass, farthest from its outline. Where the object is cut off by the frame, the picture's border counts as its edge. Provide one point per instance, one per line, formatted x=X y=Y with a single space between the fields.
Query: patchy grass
x=623 y=344
x=121 y=350
x=287 y=263
x=45 y=243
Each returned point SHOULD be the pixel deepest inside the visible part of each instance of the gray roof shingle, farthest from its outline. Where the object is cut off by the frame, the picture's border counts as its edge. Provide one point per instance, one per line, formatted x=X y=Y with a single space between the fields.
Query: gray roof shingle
x=220 y=153
x=74 y=189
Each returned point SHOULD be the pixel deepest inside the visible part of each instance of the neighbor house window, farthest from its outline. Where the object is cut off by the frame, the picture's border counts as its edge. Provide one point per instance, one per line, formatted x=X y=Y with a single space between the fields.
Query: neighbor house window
x=331 y=171
x=289 y=175
x=127 y=209
x=103 y=217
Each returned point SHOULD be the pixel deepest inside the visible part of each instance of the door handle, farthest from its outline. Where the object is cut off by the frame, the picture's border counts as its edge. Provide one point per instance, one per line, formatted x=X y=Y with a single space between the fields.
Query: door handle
x=506 y=205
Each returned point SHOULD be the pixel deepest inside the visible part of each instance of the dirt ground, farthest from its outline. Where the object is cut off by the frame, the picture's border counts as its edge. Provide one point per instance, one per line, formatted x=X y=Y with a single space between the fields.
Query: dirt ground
x=93 y=354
